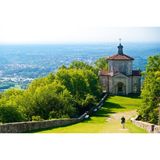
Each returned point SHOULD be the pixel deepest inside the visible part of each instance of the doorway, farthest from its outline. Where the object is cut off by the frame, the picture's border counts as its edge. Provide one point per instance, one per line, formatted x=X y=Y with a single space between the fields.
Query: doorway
x=120 y=88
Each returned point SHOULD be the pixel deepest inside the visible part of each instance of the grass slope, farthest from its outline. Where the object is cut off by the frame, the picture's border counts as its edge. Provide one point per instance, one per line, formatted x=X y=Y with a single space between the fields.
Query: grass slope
x=107 y=119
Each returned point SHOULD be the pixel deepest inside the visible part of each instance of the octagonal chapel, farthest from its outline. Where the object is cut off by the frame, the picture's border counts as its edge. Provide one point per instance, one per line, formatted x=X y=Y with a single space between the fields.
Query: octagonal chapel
x=120 y=79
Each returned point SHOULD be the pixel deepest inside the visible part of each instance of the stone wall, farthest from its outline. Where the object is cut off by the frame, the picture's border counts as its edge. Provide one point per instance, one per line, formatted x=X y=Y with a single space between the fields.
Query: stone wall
x=136 y=84
x=147 y=126
x=117 y=79
x=123 y=66
x=156 y=129
x=20 y=127
x=104 y=83
x=151 y=128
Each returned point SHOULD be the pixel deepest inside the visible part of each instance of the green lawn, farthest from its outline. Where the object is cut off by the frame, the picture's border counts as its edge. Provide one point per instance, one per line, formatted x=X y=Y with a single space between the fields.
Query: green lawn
x=107 y=119
x=134 y=129
x=121 y=103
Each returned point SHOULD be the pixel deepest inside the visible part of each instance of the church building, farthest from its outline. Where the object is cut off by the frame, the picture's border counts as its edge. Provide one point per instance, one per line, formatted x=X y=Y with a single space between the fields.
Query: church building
x=120 y=79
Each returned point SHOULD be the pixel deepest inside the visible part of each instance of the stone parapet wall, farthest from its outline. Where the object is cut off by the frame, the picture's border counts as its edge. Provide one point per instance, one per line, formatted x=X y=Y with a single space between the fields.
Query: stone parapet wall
x=156 y=129
x=151 y=128
x=147 y=126
x=21 y=127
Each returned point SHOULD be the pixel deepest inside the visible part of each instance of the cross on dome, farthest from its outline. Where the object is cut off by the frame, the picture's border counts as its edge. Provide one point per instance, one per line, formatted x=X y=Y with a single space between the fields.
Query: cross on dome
x=120 y=40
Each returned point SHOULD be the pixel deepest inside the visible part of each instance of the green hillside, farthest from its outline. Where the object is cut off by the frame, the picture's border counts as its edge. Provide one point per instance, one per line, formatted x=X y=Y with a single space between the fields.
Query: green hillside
x=107 y=119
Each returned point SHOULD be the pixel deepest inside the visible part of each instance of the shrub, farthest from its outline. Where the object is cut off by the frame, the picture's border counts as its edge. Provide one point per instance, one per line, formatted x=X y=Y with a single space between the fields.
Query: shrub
x=10 y=114
x=37 y=118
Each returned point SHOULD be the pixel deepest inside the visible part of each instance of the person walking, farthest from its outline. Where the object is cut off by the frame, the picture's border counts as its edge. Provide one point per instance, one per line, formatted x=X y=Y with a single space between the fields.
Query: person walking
x=123 y=122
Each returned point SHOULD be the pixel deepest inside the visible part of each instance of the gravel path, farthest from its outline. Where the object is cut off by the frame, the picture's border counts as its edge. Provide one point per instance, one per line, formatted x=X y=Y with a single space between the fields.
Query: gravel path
x=113 y=123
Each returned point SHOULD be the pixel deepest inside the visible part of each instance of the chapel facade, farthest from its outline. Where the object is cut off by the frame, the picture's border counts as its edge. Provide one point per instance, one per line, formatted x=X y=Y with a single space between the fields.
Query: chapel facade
x=120 y=78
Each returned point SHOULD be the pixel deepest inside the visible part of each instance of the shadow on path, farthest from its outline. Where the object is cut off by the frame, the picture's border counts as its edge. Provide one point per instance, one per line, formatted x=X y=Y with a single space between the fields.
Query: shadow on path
x=107 y=109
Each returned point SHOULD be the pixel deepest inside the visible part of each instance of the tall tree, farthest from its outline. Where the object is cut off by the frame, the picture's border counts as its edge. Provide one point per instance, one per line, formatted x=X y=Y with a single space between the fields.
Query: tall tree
x=151 y=91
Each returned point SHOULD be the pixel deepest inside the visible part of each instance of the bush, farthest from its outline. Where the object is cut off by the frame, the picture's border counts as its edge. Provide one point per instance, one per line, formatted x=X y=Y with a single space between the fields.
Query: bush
x=10 y=114
x=55 y=114
x=37 y=118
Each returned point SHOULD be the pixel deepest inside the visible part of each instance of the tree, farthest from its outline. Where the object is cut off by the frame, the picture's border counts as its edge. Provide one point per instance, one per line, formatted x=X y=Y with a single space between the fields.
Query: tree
x=101 y=64
x=151 y=91
x=67 y=93
x=81 y=65
x=42 y=100
x=81 y=82
x=10 y=114
x=9 y=108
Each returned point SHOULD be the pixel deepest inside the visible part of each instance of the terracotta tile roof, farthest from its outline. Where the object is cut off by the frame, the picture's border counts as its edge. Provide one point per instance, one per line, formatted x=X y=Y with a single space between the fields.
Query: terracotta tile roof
x=120 y=57
x=136 y=73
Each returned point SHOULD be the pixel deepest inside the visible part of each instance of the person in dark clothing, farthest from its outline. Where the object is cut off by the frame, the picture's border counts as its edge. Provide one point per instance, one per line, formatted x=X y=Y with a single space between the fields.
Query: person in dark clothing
x=123 y=122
